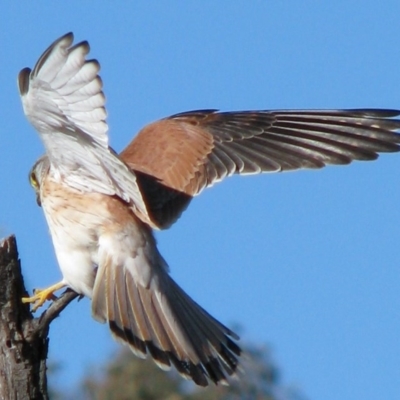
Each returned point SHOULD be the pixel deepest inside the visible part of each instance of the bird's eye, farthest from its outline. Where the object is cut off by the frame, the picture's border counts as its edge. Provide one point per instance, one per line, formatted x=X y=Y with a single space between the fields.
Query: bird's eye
x=33 y=180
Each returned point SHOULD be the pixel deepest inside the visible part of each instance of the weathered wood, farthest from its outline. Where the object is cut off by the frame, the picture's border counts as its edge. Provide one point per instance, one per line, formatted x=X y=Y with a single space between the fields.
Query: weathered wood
x=23 y=339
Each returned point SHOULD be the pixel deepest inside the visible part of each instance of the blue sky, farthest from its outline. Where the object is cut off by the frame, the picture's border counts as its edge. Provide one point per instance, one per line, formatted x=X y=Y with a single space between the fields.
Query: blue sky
x=306 y=262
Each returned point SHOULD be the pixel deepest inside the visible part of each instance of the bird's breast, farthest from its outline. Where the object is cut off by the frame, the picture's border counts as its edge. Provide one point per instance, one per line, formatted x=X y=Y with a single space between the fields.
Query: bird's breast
x=77 y=221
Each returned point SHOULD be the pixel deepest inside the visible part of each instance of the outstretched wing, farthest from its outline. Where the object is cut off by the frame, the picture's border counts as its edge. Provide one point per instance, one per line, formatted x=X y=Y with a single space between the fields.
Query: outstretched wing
x=177 y=157
x=63 y=99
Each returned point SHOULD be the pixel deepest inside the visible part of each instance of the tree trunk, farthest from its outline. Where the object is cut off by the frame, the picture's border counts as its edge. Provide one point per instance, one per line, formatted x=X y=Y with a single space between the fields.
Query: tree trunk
x=23 y=339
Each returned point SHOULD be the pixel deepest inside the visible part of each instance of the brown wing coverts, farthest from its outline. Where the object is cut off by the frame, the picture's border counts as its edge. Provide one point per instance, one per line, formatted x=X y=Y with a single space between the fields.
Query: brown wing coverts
x=190 y=151
x=167 y=157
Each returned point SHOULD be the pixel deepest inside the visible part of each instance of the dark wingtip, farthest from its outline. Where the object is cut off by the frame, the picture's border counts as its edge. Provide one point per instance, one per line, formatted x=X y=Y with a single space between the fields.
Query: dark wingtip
x=69 y=37
x=23 y=81
x=85 y=44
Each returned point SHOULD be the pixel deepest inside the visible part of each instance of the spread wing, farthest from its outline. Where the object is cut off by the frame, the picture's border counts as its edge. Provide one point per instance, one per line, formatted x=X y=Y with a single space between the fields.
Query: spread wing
x=177 y=157
x=63 y=99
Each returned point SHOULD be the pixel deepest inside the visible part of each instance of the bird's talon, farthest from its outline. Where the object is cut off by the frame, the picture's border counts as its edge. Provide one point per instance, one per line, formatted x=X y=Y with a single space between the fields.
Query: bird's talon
x=40 y=296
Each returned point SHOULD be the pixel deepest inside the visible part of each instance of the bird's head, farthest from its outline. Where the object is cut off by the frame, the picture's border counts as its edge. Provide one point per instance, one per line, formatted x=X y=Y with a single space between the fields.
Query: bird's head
x=37 y=174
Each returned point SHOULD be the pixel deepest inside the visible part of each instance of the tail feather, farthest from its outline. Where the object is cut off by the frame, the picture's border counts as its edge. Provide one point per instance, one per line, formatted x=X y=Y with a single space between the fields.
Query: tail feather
x=200 y=341
x=160 y=319
x=205 y=326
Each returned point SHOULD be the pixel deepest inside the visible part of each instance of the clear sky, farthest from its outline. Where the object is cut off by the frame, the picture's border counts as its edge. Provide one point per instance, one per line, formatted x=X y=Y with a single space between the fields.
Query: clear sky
x=306 y=262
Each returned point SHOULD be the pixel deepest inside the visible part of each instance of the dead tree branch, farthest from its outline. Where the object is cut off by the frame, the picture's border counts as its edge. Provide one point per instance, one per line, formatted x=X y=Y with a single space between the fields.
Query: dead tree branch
x=24 y=339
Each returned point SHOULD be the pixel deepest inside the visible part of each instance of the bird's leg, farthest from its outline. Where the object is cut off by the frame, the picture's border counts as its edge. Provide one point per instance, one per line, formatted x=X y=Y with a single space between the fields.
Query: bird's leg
x=42 y=295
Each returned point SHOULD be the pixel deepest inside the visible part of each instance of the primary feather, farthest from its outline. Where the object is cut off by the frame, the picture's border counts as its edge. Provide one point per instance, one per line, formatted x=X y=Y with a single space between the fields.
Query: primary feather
x=63 y=99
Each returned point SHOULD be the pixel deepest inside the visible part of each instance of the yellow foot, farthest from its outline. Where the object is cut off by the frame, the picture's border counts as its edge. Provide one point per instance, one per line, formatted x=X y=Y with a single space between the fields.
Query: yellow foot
x=41 y=295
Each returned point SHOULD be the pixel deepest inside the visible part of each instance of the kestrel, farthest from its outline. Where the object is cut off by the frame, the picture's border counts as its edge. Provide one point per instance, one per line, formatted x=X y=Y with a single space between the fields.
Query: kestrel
x=101 y=207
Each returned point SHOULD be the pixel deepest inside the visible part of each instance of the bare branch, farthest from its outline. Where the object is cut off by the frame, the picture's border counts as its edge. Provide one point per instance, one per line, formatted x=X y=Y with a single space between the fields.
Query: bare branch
x=39 y=327
x=23 y=339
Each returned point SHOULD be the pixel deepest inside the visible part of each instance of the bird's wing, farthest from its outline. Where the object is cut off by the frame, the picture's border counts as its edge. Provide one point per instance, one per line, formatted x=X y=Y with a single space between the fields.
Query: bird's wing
x=177 y=157
x=63 y=99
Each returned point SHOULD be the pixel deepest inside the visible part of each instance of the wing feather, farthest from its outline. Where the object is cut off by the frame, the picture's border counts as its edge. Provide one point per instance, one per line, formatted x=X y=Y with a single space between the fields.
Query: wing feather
x=74 y=62
x=53 y=59
x=82 y=92
x=63 y=99
x=249 y=142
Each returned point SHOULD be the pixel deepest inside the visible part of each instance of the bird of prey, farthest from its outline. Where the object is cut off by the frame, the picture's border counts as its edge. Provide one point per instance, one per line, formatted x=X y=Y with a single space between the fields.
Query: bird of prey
x=102 y=207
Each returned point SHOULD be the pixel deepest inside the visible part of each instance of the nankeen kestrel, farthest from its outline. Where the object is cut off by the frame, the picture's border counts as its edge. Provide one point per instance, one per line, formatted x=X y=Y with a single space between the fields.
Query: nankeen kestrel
x=102 y=207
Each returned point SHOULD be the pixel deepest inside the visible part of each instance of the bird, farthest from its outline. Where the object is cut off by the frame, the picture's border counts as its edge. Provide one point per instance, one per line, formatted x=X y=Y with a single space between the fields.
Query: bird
x=102 y=208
